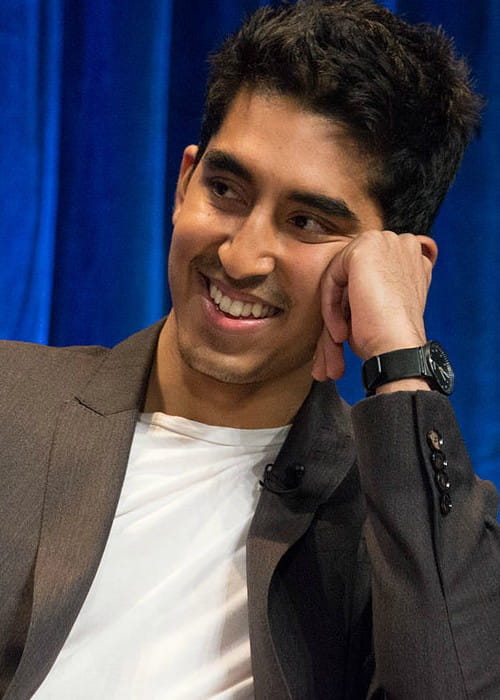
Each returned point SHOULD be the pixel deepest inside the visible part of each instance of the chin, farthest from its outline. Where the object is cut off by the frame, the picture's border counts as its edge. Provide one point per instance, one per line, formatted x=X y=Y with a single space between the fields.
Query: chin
x=227 y=370
x=221 y=369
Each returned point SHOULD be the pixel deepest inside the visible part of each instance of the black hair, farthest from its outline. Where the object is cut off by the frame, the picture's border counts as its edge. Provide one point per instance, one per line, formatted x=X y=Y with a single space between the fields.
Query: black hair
x=399 y=90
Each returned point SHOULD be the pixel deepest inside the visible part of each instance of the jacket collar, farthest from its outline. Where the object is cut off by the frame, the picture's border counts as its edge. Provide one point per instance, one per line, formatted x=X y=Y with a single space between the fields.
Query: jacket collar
x=120 y=381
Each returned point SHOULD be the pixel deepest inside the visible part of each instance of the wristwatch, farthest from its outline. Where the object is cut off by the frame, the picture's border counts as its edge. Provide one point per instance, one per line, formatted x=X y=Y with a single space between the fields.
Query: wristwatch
x=429 y=361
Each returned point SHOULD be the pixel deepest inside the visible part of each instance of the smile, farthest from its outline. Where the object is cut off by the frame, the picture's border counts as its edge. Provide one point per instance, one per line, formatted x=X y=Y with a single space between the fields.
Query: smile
x=240 y=309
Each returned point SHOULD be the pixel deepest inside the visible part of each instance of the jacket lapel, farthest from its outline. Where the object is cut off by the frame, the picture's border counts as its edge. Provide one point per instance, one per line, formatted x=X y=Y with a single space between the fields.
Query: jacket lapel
x=88 y=462
x=320 y=441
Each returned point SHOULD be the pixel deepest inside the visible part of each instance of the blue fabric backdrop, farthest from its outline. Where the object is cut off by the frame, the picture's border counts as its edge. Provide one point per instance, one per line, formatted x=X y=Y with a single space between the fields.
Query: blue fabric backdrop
x=97 y=101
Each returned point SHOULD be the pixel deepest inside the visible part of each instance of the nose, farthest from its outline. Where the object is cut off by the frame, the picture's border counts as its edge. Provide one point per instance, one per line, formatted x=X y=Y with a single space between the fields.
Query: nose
x=251 y=249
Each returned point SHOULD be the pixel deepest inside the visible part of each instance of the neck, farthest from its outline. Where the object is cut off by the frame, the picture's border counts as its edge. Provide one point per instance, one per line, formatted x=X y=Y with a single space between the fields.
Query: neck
x=176 y=389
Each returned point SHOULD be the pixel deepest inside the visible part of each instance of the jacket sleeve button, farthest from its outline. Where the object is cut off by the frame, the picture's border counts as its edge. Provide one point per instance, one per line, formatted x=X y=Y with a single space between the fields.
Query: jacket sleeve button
x=442 y=481
x=434 y=440
x=438 y=459
x=445 y=504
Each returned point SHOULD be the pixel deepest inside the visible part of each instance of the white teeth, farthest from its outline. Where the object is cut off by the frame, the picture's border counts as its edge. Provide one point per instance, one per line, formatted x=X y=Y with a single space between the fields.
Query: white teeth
x=257 y=310
x=237 y=308
x=225 y=304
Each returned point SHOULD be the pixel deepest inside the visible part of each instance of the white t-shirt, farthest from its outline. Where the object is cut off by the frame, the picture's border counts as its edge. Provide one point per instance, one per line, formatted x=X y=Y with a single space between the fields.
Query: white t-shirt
x=166 y=615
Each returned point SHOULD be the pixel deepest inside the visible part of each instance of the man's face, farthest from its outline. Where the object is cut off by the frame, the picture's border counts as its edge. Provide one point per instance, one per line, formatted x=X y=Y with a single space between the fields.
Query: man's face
x=278 y=192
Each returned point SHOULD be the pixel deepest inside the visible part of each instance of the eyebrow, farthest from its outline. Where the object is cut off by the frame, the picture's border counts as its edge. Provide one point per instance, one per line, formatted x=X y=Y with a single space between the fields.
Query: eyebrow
x=330 y=206
x=221 y=160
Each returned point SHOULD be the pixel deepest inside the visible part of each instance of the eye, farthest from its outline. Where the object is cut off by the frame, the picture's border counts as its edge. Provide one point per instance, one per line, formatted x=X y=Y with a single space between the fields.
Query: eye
x=305 y=222
x=312 y=229
x=221 y=189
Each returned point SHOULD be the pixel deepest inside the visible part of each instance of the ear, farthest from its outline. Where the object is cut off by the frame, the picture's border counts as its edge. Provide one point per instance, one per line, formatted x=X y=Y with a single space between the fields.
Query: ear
x=429 y=248
x=185 y=172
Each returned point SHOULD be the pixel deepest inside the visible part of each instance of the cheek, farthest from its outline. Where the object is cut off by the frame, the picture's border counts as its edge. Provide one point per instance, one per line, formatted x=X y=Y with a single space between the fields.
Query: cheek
x=179 y=256
x=307 y=270
x=185 y=240
x=195 y=229
x=175 y=254
x=307 y=307
x=305 y=277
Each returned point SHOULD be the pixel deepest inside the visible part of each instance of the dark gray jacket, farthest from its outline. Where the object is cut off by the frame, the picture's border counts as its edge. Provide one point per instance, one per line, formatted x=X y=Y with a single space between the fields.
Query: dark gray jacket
x=359 y=586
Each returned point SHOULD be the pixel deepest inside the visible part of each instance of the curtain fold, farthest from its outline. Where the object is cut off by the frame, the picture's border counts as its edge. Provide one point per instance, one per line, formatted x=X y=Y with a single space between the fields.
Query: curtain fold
x=30 y=70
x=98 y=100
x=110 y=251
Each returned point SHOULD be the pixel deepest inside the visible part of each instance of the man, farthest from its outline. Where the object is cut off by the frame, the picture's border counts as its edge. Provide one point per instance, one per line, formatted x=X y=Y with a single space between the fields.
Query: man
x=332 y=129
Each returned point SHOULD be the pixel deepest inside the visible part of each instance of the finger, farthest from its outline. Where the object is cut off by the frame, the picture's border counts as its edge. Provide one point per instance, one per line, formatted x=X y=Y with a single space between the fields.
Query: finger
x=334 y=358
x=329 y=358
x=429 y=248
x=319 y=366
x=334 y=301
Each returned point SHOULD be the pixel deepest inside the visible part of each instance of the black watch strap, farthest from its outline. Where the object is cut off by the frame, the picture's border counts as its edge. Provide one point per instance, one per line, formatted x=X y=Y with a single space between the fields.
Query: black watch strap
x=392 y=366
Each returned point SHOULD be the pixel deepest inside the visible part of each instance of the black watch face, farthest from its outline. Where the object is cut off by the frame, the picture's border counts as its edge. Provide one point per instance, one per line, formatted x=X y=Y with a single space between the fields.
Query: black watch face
x=441 y=368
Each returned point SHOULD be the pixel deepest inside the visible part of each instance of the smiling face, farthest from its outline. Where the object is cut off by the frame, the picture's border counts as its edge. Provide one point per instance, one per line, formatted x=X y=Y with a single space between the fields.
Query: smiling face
x=278 y=192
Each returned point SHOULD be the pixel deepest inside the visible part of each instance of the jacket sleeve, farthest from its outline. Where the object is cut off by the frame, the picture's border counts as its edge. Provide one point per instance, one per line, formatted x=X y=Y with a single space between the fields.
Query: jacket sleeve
x=434 y=546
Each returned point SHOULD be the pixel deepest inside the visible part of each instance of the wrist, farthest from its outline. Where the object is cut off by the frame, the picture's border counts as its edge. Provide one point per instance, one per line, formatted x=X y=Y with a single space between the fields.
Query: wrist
x=413 y=384
x=391 y=344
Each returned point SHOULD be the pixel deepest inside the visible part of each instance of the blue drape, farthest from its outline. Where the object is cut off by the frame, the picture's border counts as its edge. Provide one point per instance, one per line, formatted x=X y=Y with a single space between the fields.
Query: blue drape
x=97 y=101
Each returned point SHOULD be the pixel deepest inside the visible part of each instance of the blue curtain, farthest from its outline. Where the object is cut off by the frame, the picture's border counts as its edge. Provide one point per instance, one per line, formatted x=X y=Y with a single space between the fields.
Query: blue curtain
x=98 y=100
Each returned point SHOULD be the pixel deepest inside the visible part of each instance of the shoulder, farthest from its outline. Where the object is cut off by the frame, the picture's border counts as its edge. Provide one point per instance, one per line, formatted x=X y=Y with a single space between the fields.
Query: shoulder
x=18 y=352
x=18 y=357
x=41 y=374
x=36 y=377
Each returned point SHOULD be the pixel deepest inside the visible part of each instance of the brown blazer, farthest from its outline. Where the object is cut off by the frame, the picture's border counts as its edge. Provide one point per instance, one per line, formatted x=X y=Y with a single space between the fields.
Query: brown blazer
x=354 y=591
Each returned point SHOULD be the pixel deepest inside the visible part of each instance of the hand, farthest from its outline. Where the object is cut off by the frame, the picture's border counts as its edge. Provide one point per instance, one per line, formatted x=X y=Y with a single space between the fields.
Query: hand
x=373 y=295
